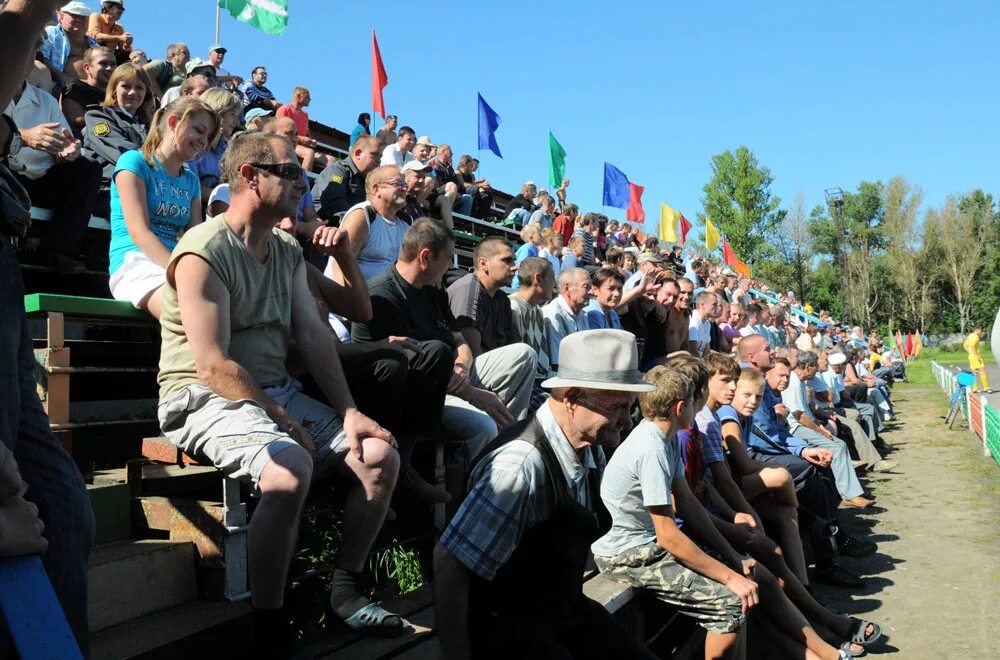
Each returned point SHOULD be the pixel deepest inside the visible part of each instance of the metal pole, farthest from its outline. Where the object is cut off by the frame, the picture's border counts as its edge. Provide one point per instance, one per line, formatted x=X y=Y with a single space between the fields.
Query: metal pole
x=218 y=13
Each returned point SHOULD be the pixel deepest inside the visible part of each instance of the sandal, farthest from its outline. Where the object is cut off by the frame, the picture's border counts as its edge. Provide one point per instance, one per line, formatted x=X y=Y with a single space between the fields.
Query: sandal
x=846 y=650
x=377 y=622
x=858 y=628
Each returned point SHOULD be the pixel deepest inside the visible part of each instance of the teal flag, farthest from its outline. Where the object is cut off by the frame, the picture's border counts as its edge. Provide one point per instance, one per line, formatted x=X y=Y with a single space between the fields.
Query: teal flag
x=269 y=16
x=557 y=162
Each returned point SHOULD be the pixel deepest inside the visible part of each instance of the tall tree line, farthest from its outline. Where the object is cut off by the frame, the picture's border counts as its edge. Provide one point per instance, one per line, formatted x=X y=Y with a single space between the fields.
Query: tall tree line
x=879 y=257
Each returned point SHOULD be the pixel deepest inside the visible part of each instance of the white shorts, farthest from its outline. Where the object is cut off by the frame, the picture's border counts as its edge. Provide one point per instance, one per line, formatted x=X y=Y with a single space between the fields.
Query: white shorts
x=136 y=278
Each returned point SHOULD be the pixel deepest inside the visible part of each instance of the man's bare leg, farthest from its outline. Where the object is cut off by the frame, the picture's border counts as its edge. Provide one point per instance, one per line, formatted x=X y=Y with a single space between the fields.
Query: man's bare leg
x=273 y=530
x=725 y=646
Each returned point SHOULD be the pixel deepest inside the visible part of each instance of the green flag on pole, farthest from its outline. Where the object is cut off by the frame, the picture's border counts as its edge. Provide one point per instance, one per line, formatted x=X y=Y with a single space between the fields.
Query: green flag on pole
x=270 y=16
x=557 y=162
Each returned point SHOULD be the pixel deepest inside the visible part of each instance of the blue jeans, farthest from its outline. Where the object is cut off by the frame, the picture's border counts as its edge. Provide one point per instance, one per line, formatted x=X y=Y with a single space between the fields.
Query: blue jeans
x=463 y=204
x=54 y=482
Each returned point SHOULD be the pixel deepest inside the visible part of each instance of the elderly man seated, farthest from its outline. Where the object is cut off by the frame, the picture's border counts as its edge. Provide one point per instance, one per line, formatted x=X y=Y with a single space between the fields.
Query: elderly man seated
x=509 y=568
x=567 y=312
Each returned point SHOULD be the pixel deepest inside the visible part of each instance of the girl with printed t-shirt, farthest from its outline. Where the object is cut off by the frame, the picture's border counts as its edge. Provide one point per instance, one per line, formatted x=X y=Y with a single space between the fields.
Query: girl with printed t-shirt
x=154 y=196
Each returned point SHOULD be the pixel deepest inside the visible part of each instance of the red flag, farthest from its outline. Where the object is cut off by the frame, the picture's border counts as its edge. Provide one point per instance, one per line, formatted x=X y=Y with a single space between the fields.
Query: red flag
x=634 y=213
x=728 y=256
x=909 y=343
x=379 y=78
x=685 y=228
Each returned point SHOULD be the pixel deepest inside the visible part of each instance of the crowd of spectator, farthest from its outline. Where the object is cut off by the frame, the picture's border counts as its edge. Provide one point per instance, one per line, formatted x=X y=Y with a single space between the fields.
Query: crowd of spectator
x=313 y=329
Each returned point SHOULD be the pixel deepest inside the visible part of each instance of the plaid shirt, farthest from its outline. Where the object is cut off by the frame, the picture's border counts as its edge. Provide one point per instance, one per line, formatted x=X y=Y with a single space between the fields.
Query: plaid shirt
x=56 y=46
x=509 y=495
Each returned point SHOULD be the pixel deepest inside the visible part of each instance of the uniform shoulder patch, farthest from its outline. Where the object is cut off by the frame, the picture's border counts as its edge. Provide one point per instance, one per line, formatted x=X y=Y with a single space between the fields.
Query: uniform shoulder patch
x=102 y=129
x=337 y=178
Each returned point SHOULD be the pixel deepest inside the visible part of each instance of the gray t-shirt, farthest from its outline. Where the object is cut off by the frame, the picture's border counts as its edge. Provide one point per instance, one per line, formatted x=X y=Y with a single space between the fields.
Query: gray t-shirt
x=795 y=400
x=638 y=476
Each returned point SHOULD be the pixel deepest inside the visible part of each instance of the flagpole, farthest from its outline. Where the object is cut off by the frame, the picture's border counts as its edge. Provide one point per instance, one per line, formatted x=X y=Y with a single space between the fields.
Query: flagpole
x=218 y=13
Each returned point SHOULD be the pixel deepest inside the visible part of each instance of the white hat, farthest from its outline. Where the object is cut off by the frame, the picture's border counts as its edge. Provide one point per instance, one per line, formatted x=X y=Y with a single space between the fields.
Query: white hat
x=76 y=8
x=414 y=166
x=426 y=140
x=599 y=360
x=198 y=63
x=837 y=358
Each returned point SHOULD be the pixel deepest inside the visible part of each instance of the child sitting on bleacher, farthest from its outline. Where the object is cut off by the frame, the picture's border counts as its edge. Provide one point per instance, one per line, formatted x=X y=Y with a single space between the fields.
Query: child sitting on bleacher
x=154 y=195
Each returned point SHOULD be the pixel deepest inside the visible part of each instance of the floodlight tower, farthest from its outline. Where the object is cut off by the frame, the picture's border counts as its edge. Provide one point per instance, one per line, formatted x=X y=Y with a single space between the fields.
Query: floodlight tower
x=835 y=202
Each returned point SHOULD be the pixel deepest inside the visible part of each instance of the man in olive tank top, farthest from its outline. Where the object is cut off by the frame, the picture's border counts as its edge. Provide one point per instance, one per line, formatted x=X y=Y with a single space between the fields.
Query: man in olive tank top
x=236 y=295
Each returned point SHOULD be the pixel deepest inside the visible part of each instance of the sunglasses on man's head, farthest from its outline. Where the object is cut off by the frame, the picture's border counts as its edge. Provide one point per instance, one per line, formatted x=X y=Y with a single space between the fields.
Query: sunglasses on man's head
x=286 y=171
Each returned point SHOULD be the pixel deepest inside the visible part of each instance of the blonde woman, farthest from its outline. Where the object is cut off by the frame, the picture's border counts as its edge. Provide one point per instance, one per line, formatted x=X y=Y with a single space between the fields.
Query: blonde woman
x=120 y=124
x=227 y=106
x=154 y=196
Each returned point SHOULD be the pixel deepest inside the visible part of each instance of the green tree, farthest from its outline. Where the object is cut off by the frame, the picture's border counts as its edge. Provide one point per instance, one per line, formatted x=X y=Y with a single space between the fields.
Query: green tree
x=738 y=199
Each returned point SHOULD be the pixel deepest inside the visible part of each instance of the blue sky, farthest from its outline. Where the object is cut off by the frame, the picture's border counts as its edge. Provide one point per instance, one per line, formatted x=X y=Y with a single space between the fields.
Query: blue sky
x=825 y=94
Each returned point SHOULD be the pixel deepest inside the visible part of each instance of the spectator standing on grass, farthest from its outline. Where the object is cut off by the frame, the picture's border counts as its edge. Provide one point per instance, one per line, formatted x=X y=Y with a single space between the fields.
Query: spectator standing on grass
x=104 y=27
x=80 y=94
x=256 y=95
x=171 y=71
x=46 y=161
x=120 y=124
x=305 y=146
x=387 y=134
x=363 y=128
x=155 y=195
x=237 y=294
x=976 y=363
x=64 y=44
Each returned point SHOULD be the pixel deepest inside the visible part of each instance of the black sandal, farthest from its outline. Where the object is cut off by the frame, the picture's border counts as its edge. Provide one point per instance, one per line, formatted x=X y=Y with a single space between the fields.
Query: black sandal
x=838 y=576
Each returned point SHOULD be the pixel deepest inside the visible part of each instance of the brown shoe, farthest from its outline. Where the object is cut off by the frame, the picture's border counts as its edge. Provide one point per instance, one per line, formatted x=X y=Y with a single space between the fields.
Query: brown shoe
x=858 y=502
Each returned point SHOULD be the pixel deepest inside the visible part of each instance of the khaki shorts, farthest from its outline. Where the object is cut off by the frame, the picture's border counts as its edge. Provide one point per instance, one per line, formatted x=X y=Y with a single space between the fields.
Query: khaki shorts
x=239 y=438
x=715 y=608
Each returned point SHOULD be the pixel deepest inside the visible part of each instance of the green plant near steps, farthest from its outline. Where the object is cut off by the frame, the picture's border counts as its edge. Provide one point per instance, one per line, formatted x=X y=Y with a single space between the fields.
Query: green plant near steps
x=400 y=565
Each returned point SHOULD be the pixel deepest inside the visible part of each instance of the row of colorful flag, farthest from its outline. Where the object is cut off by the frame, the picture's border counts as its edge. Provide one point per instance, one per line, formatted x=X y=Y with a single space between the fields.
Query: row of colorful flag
x=271 y=16
x=912 y=345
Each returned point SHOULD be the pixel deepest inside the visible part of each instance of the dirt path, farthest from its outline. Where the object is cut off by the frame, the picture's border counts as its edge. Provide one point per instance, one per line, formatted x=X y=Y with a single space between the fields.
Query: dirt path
x=934 y=584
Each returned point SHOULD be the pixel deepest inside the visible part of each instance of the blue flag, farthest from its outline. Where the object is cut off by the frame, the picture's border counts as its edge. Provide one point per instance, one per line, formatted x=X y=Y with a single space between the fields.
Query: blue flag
x=489 y=122
x=616 y=191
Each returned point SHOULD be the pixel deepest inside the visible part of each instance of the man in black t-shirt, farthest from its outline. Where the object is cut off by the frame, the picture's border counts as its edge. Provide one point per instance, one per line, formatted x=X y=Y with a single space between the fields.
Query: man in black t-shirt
x=486 y=391
x=98 y=64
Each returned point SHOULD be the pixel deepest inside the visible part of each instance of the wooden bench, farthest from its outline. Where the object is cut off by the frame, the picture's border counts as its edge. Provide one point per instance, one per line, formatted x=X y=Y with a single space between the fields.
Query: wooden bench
x=114 y=352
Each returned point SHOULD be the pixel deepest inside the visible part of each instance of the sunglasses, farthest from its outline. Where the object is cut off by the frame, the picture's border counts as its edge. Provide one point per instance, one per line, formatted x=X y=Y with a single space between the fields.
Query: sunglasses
x=286 y=171
x=395 y=183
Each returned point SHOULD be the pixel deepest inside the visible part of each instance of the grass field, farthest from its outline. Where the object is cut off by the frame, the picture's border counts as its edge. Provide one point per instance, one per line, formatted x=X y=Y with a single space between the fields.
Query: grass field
x=918 y=372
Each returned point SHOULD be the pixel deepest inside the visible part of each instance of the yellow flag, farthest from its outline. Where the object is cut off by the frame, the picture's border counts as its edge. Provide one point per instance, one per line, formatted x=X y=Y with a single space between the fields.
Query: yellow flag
x=712 y=235
x=668 y=224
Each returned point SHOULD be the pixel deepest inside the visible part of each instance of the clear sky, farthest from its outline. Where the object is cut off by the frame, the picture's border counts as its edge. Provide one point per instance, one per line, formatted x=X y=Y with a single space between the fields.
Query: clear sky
x=825 y=94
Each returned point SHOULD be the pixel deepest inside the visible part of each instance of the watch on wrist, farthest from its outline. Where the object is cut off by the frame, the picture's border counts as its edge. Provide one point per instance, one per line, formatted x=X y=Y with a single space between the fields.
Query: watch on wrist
x=14 y=142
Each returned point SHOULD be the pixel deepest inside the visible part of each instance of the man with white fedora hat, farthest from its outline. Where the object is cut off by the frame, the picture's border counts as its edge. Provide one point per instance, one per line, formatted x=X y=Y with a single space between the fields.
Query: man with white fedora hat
x=509 y=567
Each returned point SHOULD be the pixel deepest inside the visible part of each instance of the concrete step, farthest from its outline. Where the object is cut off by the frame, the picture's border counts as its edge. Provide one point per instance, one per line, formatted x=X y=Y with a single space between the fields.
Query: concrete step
x=110 y=503
x=199 y=629
x=130 y=579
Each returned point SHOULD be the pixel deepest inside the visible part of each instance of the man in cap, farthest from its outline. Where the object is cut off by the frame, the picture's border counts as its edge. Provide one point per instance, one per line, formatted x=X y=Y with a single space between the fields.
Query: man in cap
x=509 y=567
x=216 y=56
x=255 y=118
x=648 y=264
x=341 y=184
x=415 y=175
x=64 y=44
x=200 y=79
x=106 y=29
